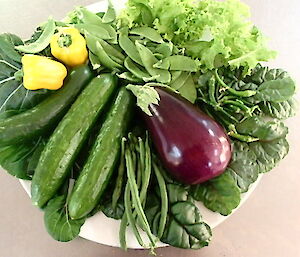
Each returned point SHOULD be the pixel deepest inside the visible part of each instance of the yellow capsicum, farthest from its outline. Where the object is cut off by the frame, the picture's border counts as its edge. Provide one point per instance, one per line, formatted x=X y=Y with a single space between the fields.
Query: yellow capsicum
x=42 y=72
x=69 y=46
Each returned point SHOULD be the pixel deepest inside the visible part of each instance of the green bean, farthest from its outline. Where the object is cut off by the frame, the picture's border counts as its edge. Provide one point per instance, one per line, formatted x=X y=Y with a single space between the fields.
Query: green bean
x=135 y=197
x=180 y=81
x=105 y=59
x=110 y=14
x=130 y=77
x=149 y=60
x=240 y=105
x=177 y=62
x=245 y=138
x=148 y=33
x=94 y=30
x=118 y=188
x=212 y=90
x=129 y=47
x=146 y=173
x=122 y=232
x=130 y=217
x=164 y=201
x=244 y=93
x=42 y=42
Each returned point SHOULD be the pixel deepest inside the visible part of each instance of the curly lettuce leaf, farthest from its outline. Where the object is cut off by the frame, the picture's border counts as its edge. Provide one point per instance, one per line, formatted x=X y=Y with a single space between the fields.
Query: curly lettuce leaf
x=215 y=32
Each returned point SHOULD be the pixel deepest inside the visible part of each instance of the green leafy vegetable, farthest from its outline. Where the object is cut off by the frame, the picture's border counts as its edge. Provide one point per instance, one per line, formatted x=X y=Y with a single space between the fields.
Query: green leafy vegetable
x=21 y=160
x=13 y=96
x=57 y=221
x=145 y=95
x=216 y=32
x=220 y=194
x=262 y=128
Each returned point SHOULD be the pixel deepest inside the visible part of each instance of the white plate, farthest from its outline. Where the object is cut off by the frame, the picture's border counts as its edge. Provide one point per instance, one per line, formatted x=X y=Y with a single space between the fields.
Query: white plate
x=104 y=230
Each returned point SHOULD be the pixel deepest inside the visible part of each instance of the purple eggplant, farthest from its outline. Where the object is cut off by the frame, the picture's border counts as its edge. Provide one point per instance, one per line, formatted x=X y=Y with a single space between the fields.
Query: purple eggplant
x=192 y=146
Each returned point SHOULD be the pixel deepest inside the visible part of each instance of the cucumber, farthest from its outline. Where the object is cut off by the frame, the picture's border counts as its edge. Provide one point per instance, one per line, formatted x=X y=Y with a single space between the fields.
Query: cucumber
x=105 y=153
x=66 y=141
x=44 y=116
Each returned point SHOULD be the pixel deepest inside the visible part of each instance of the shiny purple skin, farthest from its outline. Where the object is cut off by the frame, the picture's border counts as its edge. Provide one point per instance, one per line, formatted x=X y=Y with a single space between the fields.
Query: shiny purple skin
x=192 y=146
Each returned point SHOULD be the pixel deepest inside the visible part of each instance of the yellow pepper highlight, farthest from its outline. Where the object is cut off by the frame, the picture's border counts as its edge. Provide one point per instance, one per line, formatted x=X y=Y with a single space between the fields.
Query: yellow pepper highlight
x=41 y=72
x=69 y=46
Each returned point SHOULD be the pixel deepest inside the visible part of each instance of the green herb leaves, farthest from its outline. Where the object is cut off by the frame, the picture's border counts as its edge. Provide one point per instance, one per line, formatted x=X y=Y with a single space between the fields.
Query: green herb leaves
x=145 y=95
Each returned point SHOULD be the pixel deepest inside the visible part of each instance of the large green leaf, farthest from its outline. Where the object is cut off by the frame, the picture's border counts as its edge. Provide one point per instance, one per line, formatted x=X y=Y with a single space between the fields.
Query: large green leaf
x=262 y=128
x=220 y=194
x=57 y=221
x=21 y=160
x=268 y=154
x=280 y=110
x=13 y=95
x=243 y=166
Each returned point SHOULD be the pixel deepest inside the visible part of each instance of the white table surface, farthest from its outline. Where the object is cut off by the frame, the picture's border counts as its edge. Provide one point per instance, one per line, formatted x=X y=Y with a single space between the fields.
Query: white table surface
x=267 y=225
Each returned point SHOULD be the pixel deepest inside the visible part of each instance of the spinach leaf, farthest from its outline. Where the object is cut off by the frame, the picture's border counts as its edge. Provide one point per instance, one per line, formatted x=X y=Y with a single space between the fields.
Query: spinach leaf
x=57 y=221
x=220 y=194
x=243 y=166
x=21 y=160
x=280 y=110
x=268 y=154
x=275 y=90
x=185 y=227
x=13 y=95
x=262 y=128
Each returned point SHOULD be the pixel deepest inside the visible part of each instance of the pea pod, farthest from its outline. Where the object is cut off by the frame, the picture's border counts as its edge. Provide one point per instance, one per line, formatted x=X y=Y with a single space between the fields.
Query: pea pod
x=42 y=42
x=130 y=77
x=129 y=47
x=136 y=71
x=103 y=158
x=65 y=143
x=148 y=33
x=94 y=30
x=40 y=119
x=177 y=62
x=149 y=60
x=113 y=52
x=180 y=81
x=105 y=58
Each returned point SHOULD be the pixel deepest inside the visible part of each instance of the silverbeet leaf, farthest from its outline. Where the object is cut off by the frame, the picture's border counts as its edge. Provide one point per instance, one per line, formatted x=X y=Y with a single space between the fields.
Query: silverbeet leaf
x=57 y=221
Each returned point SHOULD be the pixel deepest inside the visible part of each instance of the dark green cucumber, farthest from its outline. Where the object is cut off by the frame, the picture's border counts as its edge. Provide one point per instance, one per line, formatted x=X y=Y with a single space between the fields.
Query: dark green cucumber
x=105 y=153
x=44 y=116
x=65 y=143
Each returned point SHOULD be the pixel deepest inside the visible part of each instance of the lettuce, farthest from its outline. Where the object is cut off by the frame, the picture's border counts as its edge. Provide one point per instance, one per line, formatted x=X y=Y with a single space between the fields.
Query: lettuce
x=215 y=32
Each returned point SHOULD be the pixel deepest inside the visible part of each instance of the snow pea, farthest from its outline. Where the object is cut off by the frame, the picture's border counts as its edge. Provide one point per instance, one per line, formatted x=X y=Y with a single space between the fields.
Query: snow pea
x=42 y=42
x=149 y=60
x=129 y=47
x=177 y=62
x=94 y=30
x=180 y=81
x=137 y=71
x=148 y=33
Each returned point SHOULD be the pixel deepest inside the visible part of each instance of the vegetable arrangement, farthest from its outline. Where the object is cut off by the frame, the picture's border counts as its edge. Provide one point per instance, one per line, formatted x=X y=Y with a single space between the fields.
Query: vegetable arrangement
x=210 y=116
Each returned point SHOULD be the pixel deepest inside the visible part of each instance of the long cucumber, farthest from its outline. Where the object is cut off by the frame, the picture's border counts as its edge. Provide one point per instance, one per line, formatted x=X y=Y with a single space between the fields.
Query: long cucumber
x=44 y=116
x=65 y=143
x=104 y=156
